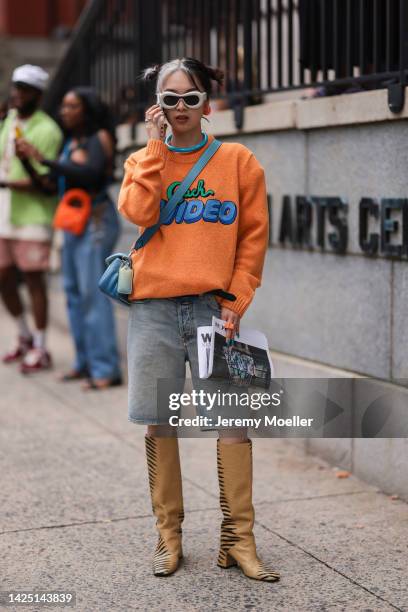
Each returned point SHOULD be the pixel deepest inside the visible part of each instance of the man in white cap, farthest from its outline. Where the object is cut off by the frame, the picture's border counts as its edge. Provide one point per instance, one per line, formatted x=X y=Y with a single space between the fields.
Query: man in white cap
x=26 y=216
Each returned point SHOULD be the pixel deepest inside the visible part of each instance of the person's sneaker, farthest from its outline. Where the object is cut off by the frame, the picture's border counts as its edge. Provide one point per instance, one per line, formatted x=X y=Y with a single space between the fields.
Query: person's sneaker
x=19 y=351
x=36 y=360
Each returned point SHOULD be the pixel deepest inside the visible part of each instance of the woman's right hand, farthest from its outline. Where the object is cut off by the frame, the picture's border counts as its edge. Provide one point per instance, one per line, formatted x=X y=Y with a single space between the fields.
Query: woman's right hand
x=156 y=123
x=25 y=150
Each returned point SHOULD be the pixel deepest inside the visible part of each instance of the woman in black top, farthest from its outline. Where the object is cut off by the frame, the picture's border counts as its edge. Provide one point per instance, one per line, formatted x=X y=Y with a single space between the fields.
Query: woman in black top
x=86 y=163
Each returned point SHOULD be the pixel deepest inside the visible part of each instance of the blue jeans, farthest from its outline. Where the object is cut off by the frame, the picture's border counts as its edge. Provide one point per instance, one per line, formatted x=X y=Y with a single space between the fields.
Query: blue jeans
x=162 y=336
x=90 y=312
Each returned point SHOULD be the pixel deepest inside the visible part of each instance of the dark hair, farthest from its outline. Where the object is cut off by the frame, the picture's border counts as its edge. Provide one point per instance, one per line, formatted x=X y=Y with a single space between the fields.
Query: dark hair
x=195 y=70
x=97 y=114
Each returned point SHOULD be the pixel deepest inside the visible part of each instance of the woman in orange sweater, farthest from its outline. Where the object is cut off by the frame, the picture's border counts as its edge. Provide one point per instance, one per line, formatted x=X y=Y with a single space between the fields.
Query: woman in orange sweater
x=205 y=260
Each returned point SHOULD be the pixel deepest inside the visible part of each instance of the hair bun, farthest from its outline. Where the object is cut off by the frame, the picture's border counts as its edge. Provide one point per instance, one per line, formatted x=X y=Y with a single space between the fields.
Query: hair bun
x=149 y=74
x=216 y=74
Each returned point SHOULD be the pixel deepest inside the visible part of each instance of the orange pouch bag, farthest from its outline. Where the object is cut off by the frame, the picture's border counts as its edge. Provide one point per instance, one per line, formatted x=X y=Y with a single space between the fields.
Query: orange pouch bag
x=73 y=211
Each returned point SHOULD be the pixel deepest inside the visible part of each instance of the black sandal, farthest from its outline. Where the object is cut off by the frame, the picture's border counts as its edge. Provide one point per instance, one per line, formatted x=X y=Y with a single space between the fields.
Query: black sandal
x=73 y=375
x=92 y=384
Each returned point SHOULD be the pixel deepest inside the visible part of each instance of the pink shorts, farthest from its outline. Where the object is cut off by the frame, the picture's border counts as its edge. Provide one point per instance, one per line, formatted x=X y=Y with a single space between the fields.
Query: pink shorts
x=27 y=255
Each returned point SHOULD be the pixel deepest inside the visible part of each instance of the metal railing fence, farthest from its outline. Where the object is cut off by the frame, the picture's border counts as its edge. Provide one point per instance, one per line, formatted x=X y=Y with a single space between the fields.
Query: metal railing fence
x=263 y=46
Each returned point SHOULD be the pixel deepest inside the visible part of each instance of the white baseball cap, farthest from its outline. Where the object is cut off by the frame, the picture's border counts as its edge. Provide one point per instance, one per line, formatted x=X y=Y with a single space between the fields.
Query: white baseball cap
x=31 y=75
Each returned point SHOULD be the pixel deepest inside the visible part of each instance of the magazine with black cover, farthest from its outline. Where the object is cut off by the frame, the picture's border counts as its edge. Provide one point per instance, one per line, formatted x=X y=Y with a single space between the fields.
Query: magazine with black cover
x=244 y=363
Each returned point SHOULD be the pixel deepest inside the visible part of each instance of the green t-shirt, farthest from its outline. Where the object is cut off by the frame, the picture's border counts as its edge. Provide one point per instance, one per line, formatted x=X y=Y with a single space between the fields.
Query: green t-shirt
x=32 y=207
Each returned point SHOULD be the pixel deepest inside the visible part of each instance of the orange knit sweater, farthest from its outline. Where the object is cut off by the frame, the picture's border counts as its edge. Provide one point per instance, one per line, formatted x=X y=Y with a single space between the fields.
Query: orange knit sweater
x=217 y=238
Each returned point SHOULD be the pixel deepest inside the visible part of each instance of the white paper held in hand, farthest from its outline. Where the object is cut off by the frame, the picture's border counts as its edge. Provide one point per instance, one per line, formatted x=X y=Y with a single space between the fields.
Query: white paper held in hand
x=246 y=362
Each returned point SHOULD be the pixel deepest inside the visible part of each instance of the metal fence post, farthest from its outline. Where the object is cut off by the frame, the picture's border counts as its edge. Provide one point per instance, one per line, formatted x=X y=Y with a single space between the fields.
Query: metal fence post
x=396 y=91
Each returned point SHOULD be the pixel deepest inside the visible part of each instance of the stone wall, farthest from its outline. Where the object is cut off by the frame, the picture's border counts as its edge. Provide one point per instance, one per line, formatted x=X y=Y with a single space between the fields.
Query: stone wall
x=348 y=312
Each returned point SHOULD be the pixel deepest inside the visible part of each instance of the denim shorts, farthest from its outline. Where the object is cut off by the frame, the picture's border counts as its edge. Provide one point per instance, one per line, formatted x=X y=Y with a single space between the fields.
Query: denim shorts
x=162 y=336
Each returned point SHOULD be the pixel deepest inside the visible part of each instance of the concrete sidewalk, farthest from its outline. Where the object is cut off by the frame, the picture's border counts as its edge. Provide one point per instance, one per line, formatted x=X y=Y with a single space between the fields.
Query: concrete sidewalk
x=76 y=515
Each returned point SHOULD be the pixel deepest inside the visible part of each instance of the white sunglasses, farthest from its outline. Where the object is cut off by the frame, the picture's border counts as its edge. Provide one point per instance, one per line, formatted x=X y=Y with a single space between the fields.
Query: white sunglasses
x=192 y=99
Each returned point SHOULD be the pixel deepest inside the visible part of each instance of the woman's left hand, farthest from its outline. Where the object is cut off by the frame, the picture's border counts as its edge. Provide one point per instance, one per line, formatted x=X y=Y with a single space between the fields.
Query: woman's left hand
x=233 y=318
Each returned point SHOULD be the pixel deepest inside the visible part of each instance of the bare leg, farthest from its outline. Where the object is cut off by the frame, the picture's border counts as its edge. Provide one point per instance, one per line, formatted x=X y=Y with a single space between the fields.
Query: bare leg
x=9 y=291
x=233 y=436
x=161 y=431
x=228 y=436
x=38 y=292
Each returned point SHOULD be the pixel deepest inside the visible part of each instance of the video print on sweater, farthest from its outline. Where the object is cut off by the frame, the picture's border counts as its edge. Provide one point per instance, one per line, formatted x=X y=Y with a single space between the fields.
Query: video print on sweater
x=192 y=209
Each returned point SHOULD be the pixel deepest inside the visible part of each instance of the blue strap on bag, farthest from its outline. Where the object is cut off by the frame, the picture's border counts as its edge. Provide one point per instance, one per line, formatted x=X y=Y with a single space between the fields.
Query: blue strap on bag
x=119 y=264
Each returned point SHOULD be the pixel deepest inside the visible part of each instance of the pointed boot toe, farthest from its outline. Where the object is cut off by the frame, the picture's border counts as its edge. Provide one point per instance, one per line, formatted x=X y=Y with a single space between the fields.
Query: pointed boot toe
x=165 y=561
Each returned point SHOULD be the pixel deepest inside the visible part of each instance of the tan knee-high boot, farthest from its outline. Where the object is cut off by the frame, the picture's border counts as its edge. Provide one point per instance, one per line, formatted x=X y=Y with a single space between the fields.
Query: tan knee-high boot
x=237 y=546
x=163 y=463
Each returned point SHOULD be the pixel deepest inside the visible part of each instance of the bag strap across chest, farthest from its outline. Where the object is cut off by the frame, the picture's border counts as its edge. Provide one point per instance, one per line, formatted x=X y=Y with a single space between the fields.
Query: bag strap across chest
x=178 y=195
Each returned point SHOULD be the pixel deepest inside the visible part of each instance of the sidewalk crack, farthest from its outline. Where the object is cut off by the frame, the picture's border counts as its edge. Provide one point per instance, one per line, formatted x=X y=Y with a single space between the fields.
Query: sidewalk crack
x=334 y=569
x=97 y=521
